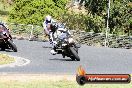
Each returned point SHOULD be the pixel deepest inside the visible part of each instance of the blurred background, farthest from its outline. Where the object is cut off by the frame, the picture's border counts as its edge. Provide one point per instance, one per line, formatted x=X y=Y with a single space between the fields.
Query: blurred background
x=86 y=20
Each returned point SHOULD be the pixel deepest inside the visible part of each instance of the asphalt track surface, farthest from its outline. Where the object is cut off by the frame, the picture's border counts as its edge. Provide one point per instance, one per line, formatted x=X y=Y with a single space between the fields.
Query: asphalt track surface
x=93 y=60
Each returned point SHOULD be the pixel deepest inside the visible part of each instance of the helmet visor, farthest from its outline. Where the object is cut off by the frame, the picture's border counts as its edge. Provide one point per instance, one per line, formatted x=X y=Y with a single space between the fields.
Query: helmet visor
x=48 y=21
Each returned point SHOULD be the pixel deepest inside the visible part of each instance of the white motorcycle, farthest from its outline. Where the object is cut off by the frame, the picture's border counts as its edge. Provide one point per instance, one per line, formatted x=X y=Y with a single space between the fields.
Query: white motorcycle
x=65 y=43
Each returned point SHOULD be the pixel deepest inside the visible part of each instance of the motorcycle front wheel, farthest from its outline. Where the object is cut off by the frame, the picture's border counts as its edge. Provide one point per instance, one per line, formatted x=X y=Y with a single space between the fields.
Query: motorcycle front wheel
x=74 y=54
x=12 y=45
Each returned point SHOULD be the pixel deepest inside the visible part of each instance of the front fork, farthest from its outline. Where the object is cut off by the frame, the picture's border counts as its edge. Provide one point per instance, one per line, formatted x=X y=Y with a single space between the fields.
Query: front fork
x=66 y=50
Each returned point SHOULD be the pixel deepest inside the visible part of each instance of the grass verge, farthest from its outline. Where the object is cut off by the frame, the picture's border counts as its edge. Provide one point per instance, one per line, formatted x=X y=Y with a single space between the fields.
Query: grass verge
x=58 y=84
x=49 y=81
x=5 y=59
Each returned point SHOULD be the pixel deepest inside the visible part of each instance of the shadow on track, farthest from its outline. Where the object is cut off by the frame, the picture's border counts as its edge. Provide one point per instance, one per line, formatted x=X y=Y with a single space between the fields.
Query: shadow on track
x=6 y=50
x=57 y=59
x=47 y=47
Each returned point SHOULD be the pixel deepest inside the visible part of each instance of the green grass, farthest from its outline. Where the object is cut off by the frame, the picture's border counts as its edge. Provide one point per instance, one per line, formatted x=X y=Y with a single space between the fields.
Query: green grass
x=5 y=59
x=57 y=84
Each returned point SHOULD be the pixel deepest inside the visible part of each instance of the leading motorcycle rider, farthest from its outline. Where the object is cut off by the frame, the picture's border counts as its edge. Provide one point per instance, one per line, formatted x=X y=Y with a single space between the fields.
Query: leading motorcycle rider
x=49 y=31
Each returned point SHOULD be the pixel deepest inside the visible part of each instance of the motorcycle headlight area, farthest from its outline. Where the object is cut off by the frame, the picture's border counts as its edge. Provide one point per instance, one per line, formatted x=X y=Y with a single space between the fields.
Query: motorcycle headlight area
x=64 y=44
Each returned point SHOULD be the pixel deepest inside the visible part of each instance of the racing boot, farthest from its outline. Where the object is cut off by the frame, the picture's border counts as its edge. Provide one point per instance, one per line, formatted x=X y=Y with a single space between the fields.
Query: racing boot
x=53 y=52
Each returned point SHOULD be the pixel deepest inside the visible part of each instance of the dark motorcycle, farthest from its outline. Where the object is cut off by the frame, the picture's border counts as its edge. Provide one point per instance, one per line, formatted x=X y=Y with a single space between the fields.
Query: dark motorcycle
x=6 y=41
x=65 y=43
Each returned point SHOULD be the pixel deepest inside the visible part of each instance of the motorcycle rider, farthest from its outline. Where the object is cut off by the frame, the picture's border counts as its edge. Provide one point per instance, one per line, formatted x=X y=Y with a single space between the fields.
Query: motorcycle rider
x=50 y=31
x=3 y=28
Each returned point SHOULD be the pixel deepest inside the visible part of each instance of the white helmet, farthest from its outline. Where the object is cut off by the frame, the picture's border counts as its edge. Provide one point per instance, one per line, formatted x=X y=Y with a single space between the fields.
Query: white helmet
x=48 y=19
